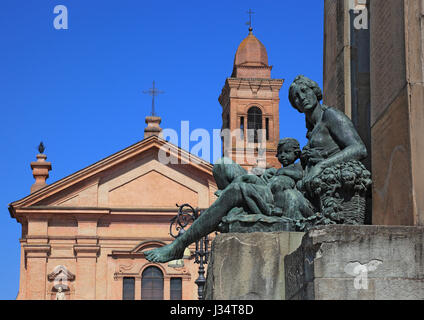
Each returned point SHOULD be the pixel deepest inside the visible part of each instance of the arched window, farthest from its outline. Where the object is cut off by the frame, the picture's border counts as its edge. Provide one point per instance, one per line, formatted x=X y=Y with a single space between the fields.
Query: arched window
x=152 y=284
x=254 y=122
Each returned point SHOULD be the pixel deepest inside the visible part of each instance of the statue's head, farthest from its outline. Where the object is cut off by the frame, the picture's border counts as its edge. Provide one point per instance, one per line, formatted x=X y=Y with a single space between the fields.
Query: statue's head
x=225 y=171
x=288 y=151
x=304 y=94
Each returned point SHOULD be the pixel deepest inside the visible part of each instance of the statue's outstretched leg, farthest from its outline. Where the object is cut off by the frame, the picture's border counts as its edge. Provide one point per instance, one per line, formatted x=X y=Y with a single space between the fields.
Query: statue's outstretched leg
x=206 y=223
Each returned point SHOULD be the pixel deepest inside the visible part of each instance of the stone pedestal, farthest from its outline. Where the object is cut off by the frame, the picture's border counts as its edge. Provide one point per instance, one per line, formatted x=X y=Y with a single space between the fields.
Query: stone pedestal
x=357 y=263
x=40 y=171
x=153 y=128
x=249 y=266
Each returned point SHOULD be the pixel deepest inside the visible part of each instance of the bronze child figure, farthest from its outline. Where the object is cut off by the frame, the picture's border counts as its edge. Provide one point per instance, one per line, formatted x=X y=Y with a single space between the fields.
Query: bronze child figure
x=288 y=200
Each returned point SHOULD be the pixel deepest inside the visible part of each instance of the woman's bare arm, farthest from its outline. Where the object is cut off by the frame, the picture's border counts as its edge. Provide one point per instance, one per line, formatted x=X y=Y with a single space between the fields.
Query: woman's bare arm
x=343 y=132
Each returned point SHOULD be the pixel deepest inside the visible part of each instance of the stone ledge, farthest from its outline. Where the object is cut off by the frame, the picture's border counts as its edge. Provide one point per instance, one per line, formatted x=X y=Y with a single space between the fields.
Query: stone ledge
x=330 y=258
x=86 y=251
x=37 y=250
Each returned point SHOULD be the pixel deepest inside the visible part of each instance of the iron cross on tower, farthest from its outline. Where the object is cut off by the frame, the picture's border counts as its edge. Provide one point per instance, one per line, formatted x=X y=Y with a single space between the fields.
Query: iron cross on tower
x=250 y=12
x=153 y=92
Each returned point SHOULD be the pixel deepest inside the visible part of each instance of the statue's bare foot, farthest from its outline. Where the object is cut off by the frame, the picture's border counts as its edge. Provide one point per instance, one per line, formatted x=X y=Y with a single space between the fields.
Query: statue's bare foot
x=165 y=254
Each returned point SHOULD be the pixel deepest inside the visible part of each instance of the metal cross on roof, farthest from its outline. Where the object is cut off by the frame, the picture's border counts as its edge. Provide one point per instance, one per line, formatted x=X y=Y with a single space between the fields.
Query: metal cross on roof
x=250 y=12
x=153 y=92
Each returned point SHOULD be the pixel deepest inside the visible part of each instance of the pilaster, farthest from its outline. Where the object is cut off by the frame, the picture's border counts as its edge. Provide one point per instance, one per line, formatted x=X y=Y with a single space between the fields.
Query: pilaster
x=36 y=256
x=86 y=255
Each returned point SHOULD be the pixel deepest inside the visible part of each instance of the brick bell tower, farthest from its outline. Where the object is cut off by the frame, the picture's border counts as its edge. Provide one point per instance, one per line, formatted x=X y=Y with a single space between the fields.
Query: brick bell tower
x=250 y=100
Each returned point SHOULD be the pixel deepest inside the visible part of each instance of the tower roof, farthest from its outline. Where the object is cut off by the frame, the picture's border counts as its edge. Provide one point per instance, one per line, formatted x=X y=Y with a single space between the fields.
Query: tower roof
x=251 y=52
x=251 y=60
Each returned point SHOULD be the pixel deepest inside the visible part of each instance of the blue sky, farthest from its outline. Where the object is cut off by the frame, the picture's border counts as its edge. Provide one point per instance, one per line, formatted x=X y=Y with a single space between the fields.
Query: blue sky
x=80 y=90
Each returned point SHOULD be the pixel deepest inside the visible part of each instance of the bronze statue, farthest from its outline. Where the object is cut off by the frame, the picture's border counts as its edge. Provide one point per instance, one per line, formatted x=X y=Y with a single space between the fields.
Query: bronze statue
x=332 y=138
x=335 y=180
x=328 y=186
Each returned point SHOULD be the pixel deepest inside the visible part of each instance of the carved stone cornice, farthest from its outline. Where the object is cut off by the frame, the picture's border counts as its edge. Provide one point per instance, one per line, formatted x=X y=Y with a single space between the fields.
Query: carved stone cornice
x=235 y=82
x=255 y=85
x=86 y=251
x=37 y=250
x=259 y=84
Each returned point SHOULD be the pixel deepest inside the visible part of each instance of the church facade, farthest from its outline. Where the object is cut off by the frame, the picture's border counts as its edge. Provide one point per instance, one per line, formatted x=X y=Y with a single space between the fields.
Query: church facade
x=83 y=237
x=87 y=232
